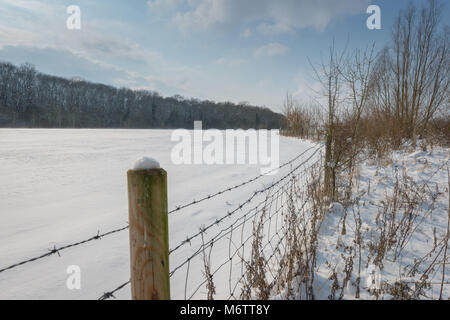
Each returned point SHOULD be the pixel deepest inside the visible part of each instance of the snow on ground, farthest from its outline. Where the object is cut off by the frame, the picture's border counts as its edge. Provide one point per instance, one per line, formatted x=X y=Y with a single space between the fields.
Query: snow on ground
x=61 y=186
x=427 y=172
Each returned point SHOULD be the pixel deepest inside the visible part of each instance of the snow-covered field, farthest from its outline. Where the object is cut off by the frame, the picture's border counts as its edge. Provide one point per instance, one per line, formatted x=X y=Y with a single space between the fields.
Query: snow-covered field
x=62 y=186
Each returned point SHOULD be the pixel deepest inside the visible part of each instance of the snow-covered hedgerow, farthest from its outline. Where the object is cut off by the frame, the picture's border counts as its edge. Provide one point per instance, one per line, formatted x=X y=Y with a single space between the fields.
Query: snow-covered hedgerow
x=388 y=237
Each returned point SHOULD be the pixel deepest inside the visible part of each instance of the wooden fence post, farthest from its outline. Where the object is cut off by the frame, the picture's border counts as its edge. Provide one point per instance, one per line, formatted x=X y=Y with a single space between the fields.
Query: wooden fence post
x=149 y=234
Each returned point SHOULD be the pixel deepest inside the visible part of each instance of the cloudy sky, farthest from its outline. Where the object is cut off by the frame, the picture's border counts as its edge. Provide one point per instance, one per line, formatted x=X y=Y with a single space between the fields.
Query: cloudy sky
x=223 y=50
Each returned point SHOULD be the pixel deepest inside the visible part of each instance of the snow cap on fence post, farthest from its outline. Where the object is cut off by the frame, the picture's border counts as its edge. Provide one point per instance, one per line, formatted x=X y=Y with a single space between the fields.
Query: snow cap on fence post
x=146 y=163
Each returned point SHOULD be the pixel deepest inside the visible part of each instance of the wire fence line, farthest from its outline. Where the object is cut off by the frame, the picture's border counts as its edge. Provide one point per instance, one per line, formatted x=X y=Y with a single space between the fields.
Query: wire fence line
x=98 y=236
x=269 y=198
x=243 y=204
x=208 y=197
x=109 y=295
x=57 y=250
x=236 y=223
x=231 y=235
x=241 y=249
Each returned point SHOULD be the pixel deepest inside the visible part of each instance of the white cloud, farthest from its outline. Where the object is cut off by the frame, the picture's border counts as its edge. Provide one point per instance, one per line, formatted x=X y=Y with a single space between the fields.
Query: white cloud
x=273 y=16
x=31 y=5
x=271 y=50
x=164 y=4
x=247 y=33
x=273 y=29
x=204 y=14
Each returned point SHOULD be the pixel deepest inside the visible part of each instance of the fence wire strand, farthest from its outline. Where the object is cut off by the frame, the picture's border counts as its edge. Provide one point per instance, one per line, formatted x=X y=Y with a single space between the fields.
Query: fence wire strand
x=228 y=189
x=57 y=250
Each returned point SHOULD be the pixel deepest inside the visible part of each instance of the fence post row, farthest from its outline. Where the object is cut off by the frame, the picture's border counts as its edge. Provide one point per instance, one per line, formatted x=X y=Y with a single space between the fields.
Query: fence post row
x=149 y=234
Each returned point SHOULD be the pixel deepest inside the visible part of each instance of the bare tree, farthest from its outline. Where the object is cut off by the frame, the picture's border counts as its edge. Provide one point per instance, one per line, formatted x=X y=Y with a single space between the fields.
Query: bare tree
x=329 y=75
x=413 y=75
x=357 y=74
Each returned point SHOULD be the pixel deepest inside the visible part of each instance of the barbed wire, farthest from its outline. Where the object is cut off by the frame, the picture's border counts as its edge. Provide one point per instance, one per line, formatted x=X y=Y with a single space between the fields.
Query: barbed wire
x=281 y=230
x=273 y=198
x=231 y=213
x=223 y=233
x=109 y=295
x=57 y=250
x=194 y=202
x=279 y=199
x=246 y=217
x=235 y=253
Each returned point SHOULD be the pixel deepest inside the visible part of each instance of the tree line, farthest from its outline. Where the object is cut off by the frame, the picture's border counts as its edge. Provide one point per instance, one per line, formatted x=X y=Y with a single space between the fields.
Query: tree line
x=29 y=98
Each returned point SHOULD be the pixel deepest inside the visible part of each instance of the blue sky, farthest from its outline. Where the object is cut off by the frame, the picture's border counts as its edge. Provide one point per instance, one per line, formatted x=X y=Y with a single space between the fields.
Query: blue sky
x=223 y=50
